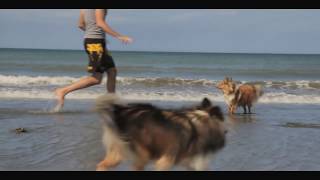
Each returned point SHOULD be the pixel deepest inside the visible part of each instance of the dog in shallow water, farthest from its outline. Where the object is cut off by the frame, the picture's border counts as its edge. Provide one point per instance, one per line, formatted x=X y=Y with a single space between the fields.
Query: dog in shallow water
x=244 y=95
x=142 y=132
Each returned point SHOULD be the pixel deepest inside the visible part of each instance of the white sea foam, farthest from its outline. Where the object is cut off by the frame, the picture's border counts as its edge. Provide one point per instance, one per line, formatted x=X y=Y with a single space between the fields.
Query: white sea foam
x=35 y=80
x=280 y=97
x=28 y=87
x=148 y=81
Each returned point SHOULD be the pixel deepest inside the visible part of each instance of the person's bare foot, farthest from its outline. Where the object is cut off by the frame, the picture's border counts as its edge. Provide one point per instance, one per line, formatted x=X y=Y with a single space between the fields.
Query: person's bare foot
x=60 y=99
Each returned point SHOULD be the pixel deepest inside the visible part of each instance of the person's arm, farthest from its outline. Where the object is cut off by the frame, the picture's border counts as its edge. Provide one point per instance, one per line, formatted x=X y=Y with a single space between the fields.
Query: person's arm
x=100 y=21
x=82 y=24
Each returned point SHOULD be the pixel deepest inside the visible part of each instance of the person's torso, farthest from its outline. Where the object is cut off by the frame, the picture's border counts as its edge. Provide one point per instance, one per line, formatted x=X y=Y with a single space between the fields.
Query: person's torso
x=91 y=29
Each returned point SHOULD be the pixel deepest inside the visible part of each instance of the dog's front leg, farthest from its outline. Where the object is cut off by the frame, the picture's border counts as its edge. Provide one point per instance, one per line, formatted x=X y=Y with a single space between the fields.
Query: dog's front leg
x=230 y=109
x=165 y=163
x=112 y=159
x=139 y=165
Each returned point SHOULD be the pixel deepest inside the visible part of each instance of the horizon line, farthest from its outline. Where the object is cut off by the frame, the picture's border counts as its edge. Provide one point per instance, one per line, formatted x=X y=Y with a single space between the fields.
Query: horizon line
x=148 y=51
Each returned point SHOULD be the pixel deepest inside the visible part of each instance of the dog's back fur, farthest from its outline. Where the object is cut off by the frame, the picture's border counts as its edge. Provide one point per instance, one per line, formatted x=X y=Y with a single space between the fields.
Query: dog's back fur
x=145 y=132
x=244 y=95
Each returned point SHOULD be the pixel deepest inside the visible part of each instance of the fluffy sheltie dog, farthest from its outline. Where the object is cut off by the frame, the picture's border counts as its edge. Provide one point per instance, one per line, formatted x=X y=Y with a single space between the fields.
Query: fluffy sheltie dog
x=143 y=133
x=244 y=95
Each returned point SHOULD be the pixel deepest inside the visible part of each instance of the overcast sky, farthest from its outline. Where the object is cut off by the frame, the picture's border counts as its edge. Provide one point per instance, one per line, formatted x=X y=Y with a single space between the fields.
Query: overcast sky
x=212 y=30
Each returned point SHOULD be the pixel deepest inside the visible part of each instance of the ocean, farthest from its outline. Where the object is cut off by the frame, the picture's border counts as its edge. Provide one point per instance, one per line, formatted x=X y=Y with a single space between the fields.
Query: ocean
x=283 y=134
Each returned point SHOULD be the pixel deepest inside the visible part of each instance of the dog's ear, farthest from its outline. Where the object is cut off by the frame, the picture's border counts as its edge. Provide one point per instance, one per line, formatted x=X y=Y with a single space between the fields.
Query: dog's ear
x=228 y=79
x=206 y=103
x=216 y=111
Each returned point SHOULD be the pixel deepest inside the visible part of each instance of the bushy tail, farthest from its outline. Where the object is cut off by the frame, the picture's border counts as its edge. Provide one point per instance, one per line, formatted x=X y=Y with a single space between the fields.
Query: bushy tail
x=105 y=102
x=105 y=108
x=111 y=139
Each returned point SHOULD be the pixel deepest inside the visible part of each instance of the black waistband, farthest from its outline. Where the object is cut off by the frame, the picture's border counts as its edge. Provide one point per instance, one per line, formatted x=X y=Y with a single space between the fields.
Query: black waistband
x=93 y=40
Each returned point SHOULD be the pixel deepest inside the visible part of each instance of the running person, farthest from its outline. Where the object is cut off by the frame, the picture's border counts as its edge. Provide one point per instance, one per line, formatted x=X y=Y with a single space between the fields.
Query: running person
x=92 y=22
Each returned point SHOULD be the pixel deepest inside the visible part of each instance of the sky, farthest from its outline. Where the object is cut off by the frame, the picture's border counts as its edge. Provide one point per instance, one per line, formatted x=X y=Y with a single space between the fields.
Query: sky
x=173 y=30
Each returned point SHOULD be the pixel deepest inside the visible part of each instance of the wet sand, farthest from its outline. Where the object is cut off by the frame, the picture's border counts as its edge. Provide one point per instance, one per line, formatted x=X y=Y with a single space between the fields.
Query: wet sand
x=278 y=137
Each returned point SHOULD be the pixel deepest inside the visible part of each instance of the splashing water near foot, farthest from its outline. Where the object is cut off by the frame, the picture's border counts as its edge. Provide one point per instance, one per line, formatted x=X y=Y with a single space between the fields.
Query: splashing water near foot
x=53 y=106
x=57 y=108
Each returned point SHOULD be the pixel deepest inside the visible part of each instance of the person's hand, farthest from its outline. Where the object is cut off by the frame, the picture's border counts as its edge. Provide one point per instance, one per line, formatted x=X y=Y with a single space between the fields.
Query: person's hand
x=125 y=39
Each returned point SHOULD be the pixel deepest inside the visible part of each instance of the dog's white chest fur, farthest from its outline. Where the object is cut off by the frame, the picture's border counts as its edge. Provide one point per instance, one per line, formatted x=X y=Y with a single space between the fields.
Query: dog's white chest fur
x=228 y=98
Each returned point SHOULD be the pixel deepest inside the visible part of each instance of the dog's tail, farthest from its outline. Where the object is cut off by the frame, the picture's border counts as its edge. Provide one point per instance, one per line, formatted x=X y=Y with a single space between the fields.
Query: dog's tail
x=259 y=91
x=105 y=103
x=111 y=138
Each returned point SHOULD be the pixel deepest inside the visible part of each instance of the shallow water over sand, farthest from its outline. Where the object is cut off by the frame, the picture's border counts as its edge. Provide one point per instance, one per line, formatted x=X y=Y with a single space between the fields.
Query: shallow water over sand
x=277 y=137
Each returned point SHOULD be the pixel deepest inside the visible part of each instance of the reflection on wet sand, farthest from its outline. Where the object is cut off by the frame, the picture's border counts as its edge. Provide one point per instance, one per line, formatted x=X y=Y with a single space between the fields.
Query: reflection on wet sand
x=299 y=125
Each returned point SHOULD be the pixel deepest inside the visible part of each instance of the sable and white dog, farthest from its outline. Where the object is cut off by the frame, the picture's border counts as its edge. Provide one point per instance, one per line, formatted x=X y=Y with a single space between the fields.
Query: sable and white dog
x=244 y=95
x=142 y=132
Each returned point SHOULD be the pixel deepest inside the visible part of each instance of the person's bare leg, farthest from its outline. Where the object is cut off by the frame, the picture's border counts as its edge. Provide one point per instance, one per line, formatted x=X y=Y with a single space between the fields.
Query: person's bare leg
x=82 y=83
x=111 y=80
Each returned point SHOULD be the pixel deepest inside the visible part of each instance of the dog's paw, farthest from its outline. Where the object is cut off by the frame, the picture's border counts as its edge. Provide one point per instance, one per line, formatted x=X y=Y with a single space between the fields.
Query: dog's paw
x=101 y=167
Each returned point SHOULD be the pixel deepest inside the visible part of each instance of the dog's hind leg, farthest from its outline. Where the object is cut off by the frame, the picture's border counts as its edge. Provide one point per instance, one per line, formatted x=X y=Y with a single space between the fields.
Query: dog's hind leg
x=165 y=162
x=113 y=146
x=199 y=163
x=244 y=109
x=141 y=158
